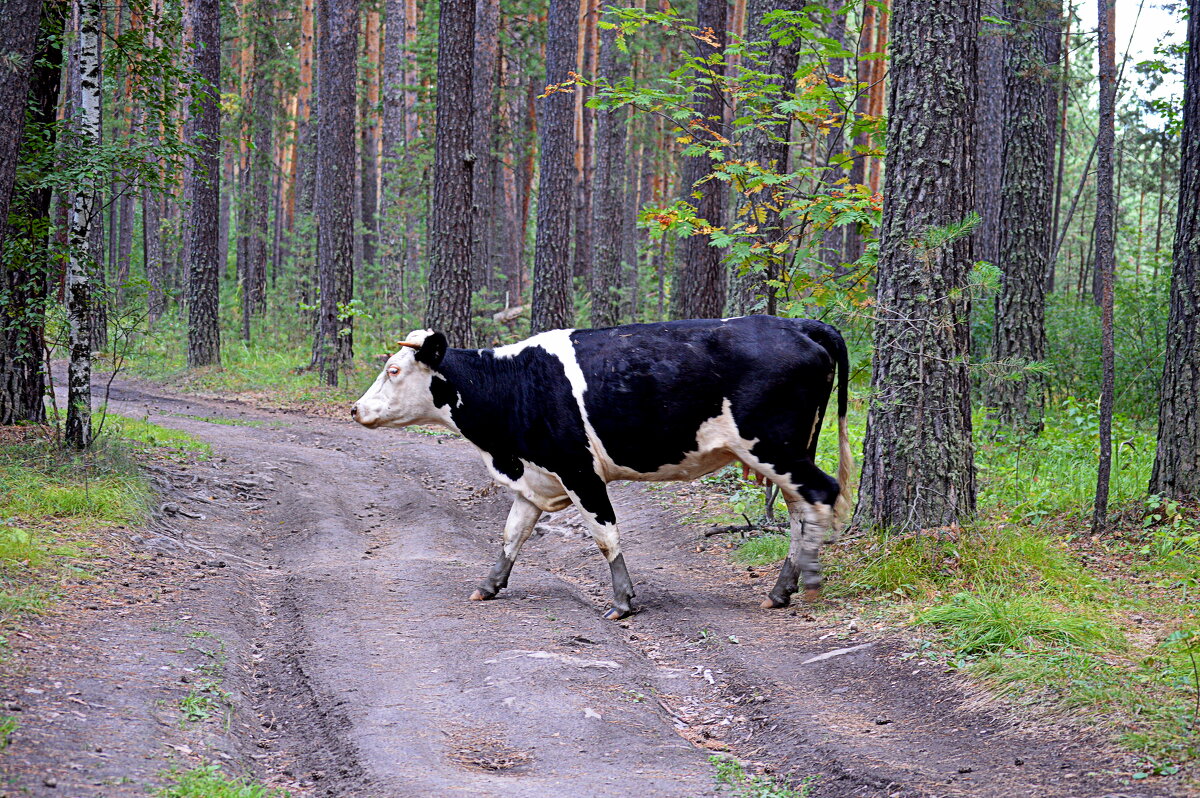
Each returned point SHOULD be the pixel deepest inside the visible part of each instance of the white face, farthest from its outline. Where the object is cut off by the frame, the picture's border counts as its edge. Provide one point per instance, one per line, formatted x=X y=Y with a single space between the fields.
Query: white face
x=400 y=395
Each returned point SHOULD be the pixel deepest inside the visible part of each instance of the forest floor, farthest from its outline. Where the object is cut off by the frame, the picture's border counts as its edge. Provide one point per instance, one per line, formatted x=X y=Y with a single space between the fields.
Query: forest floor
x=298 y=612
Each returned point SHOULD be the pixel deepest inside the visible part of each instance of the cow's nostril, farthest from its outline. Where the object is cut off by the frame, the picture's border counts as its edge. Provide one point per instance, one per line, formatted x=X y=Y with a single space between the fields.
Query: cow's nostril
x=354 y=410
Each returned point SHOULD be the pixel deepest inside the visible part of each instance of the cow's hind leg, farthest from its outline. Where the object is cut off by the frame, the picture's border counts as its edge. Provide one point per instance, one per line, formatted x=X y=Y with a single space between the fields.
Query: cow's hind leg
x=521 y=519
x=810 y=511
x=591 y=497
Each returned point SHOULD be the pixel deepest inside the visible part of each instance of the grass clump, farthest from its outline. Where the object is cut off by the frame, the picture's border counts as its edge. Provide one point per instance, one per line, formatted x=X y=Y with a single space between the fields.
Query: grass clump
x=209 y=781
x=143 y=437
x=8 y=727
x=993 y=623
x=732 y=779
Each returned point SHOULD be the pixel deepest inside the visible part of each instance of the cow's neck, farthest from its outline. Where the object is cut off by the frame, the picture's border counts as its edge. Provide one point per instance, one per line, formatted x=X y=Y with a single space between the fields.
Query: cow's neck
x=468 y=388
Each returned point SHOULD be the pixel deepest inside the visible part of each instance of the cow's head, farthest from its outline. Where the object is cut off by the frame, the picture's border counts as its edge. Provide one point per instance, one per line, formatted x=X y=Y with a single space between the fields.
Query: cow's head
x=401 y=394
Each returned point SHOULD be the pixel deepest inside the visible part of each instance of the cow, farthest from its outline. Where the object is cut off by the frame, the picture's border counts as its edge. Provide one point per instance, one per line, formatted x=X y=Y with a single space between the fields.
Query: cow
x=558 y=416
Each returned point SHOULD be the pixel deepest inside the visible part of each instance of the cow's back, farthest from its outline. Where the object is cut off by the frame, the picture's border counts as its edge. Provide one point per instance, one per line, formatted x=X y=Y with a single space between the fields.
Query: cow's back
x=650 y=387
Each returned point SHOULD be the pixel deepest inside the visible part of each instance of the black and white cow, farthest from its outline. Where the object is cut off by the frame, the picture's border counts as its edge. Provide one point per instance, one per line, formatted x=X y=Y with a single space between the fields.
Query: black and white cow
x=560 y=415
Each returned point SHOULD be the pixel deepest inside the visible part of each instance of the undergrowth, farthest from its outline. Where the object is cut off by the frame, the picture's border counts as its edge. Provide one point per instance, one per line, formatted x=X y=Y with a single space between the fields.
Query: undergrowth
x=52 y=501
x=274 y=364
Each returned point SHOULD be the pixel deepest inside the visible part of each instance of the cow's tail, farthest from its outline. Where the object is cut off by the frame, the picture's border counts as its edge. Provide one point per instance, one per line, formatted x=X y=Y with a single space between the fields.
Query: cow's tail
x=843 y=506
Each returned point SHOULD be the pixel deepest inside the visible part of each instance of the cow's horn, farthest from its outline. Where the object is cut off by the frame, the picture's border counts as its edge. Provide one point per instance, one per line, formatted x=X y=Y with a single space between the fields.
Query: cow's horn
x=409 y=344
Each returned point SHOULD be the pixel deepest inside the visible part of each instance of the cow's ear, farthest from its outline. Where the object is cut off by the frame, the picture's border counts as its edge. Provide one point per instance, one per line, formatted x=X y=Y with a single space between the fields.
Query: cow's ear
x=432 y=350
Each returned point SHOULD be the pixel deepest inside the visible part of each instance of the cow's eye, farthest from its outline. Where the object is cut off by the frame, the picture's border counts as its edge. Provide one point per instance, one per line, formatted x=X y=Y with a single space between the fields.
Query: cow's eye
x=393 y=370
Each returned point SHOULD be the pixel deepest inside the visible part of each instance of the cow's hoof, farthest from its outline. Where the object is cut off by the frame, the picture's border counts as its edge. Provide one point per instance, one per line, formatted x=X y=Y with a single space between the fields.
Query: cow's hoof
x=479 y=595
x=812 y=594
x=773 y=603
x=616 y=614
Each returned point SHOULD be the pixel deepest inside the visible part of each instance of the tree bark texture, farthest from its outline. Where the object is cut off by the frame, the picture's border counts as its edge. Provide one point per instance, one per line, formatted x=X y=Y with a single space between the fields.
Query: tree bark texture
x=25 y=273
x=699 y=287
x=608 y=198
x=449 y=305
x=1177 y=459
x=203 y=188
x=370 y=142
x=18 y=41
x=552 y=302
x=752 y=292
x=391 y=168
x=84 y=214
x=261 y=164
x=918 y=455
x=992 y=114
x=1105 y=247
x=1025 y=219
x=337 y=54
x=485 y=89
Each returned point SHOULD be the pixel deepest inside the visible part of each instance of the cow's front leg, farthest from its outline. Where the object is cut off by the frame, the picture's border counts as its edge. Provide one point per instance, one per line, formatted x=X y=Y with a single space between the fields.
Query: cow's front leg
x=521 y=519
x=593 y=503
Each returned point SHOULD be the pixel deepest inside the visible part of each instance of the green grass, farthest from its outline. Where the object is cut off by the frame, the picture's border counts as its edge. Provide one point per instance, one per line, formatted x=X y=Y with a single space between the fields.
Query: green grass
x=992 y=622
x=732 y=779
x=205 y=699
x=86 y=488
x=1052 y=476
x=209 y=781
x=52 y=500
x=143 y=436
x=8 y=727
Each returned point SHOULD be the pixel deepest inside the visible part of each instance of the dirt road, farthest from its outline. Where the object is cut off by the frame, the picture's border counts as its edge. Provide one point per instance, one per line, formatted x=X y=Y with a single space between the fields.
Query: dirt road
x=328 y=577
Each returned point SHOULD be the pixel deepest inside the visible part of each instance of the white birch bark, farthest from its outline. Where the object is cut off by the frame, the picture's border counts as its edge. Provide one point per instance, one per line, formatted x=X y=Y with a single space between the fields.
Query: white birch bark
x=83 y=212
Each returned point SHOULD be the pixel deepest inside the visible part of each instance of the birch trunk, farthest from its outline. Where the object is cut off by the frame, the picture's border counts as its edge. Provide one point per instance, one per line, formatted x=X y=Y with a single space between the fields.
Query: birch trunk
x=80 y=268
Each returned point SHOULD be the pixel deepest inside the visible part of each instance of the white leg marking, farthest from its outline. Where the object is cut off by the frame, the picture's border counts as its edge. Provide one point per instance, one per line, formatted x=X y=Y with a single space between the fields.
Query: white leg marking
x=522 y=517
x=809 y=523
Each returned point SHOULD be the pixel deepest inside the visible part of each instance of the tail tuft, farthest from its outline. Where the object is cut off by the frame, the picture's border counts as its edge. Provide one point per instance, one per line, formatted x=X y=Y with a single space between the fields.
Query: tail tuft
x=843 y=507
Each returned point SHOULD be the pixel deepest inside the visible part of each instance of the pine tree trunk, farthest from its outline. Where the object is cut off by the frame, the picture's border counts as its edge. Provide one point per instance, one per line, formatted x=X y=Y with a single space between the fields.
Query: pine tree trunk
x=391 y=167
x=699 y=287
x=370 y=142
x=484 y=91
x=253 y=236
x=1177 y=459
x=80 y=268
x=24 y=278
x=337 y=54
x=1030 y=122
x=1064 y=85
x=992 y=114
x=1105 y=249
x=18 y=41
x=203 y=188
x=918 y=455
x=608 y=198
x=581 y=216
x=552 y=296
x=450 y=275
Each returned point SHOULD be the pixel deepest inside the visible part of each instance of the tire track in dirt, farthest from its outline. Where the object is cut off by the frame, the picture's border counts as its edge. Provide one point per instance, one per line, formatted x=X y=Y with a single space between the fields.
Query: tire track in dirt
x=370 y=674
